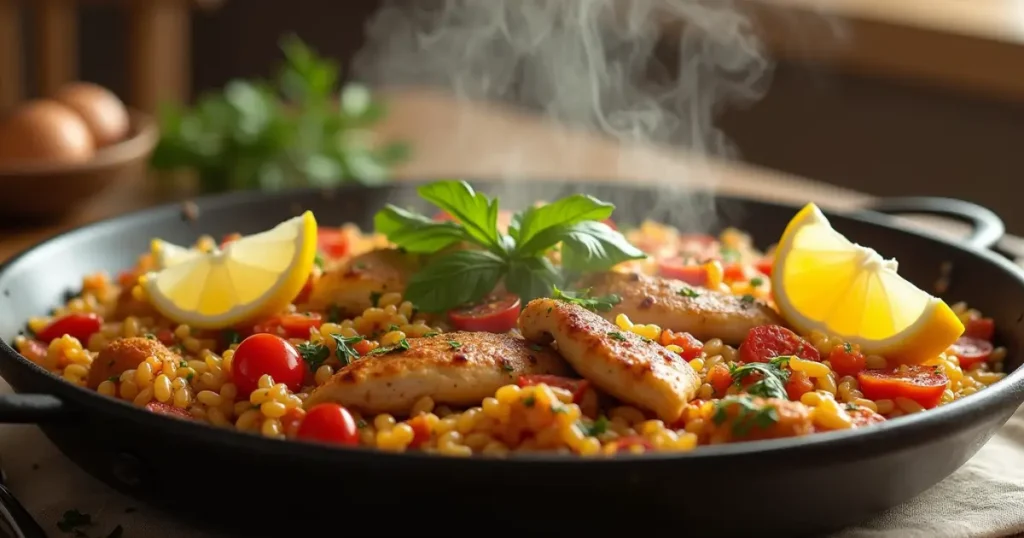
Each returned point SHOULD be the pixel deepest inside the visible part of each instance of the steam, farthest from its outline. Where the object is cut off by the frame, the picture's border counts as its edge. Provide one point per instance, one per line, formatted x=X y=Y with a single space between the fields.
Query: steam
x=588 y=65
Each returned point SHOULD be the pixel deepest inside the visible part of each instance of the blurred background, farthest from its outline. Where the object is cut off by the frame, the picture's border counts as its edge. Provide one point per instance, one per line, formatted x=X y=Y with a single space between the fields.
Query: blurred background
x=876 y=96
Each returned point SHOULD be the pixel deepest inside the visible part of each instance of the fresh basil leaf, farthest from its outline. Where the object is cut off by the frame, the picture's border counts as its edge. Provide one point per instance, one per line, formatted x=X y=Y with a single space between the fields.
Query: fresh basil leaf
x=560 y=213
x=477 y=213
x=594 y=246
x=416 y=233
x=455 y=279
x=583 y=298
x=530 y=278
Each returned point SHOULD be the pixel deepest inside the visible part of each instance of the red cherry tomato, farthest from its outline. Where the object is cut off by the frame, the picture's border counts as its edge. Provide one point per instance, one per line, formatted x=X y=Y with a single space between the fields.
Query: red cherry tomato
x=269 y=354
x=333 y=242
x=923 y=384
x=971 y=351
x=81 y=326
x=329 y=423
x=862 y=416
x=692 y=347
x=165 y=336
x=983 y=328
x=420 y=430
x=496 y=315
x=291 y=421
x=363 y=347
x=764 y=265
x=161 y=408
x=798 y=385
x=720 y=379
x=692 y=274
x=846 y=360
x=765 y=342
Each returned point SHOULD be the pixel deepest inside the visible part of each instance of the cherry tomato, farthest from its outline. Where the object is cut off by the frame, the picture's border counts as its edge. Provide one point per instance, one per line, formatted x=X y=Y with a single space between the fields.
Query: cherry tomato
x=269 y=354
x=363 y=347
x=81 y=326
x=692 y=347
x=764 y=265
x=496 y=315
x=846 y=360
x=862 y=416
x=161 y=408
x=720 y=379
x=420 y=430
x=983 y=328
x=971 y=351
x=333 y=242
x=329 y=423
x=765 y=342
x=798 y=385
x=734 y=272
x=291 y=421
x=165 y=336
x=692 y=274
x=923 y=384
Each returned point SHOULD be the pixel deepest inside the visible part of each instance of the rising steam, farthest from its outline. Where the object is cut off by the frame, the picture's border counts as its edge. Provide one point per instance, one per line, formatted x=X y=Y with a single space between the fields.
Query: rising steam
x=588 y=64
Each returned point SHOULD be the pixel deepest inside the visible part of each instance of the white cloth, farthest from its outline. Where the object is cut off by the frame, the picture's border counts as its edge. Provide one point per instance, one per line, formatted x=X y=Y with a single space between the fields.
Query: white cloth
x=985 y=498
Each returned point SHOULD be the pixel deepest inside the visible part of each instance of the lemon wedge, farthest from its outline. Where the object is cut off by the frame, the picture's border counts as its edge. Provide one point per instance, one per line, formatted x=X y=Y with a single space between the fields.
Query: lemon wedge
x=824 y=282
x=167 y=254
x=255 y=276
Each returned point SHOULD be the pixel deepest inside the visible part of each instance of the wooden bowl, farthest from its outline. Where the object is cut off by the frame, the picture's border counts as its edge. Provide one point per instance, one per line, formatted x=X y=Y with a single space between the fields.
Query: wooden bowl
x=48 y=191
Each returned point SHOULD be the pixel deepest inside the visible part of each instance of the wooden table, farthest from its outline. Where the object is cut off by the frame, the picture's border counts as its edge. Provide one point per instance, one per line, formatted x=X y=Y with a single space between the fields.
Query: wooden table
x=460 y=139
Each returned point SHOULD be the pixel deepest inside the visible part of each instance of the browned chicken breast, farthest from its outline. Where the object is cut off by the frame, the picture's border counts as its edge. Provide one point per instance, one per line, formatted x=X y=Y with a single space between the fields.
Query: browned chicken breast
x=749 y=419
x=623 y=364
x=124 y=354
x=351 y=285
x=456 y=369
x=673 y=304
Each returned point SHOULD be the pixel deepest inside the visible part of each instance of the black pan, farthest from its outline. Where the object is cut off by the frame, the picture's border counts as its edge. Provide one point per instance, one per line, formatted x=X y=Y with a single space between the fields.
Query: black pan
x=785 y=487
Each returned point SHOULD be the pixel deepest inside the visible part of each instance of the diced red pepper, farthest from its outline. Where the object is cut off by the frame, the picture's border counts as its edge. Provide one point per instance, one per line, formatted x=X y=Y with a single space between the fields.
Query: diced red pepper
x=798 y=385
x=80 y=326
x=692 y=348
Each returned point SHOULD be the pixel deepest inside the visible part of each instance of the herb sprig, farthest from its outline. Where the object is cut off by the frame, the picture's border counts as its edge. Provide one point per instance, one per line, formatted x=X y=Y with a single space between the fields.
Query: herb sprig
x=749 y=414
x=518 y=257
x=583 y=298
x=773 y=377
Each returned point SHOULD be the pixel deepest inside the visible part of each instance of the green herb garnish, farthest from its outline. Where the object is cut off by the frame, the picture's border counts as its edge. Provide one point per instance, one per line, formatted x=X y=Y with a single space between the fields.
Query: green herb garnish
x=749 y=416
x=773 y=377
x=431 y=333
x=747 y=299
x=402 y=344
x=150 y=336
x=688 y=292
x=530 y=401
x=756 y=281
x=375 y=297
x=730 y=255
x=393 y=327
x=582 y=298
x=617 y=335
x=318 y=261
x=599 y=426
x=343 y=349
x=232 y=337
x=314 y=354
x=454 y=345
x=518 y=258
x=848 y=347
x=361 y=424
x=114 y=378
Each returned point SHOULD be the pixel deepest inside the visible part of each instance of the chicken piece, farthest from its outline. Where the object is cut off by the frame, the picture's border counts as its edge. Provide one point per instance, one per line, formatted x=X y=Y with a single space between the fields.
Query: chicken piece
x=351 y=285
x=633 y=369
x=673 y=304
x=458 y=369
x=746 y=418
x=124 y=354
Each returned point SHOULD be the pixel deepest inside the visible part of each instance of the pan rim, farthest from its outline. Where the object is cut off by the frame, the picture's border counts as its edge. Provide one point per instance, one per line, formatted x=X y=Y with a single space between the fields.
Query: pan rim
x=915 y=429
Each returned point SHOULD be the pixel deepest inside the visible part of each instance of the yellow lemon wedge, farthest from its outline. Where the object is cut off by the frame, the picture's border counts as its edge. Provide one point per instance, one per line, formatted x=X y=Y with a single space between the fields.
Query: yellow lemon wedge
x=824 y=282
x=253 y=277
x=167 y=254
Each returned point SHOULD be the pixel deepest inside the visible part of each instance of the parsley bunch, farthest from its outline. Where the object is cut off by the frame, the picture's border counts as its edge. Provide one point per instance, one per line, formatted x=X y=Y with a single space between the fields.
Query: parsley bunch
x=519 y=257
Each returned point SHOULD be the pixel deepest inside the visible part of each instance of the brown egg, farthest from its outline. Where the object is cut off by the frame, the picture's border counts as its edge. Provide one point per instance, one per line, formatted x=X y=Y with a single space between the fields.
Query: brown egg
x=44 y=131
x=102 y=111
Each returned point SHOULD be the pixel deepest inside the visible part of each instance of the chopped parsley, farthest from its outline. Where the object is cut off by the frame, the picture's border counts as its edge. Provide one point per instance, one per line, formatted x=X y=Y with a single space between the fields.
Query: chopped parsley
x=361 y=424
x=393 y=327
x=183 y=363
x=749 y=414
x=454 y=345
x=375 y=297
x=848 y=347
x=344 y=350
x=232 y=337
x=756 y=282
x=402 y=344
x=431 y=333
x=688 y=292
x=318 y=260
x=617 y=335
x=583 y=298
x=314 y=354
x=150 y=336
x=506 y=365
x=850 y=406
x=598 y=427
x=530 y=401
x=113 y=378
x=747 y=299
x=730 y=255
x=773 y=377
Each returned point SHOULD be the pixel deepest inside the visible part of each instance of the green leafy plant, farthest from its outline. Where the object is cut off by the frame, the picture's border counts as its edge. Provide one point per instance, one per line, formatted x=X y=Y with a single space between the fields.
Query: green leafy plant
x=300 y=129
x=519 y=257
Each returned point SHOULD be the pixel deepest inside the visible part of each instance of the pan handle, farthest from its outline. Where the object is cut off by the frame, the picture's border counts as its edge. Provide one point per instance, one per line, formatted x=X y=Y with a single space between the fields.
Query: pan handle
x=30 y=408
x=987 y=227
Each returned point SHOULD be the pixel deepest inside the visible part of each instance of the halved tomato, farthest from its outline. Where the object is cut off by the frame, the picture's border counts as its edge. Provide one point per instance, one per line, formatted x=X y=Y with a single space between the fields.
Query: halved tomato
x=923 y=384
x=495 y=314
x=332 y=242
x=971 y=351
x=983 y=328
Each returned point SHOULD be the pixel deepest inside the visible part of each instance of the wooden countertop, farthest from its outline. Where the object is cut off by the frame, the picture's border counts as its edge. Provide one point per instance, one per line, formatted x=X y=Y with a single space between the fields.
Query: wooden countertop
x=974 y=46
x=458 y=139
